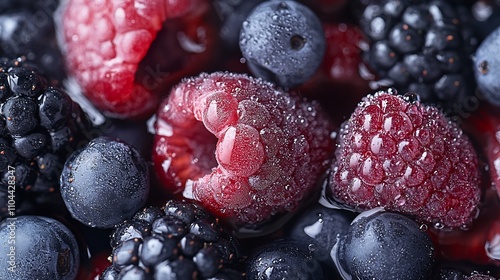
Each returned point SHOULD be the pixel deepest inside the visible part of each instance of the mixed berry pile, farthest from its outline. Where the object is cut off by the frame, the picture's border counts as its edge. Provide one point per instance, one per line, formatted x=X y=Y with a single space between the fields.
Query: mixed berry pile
x=249 y=139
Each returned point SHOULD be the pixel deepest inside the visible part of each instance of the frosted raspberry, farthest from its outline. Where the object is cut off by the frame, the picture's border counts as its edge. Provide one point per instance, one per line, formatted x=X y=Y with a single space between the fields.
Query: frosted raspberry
x=125 y=54
x=241 y=147
x=405 y=156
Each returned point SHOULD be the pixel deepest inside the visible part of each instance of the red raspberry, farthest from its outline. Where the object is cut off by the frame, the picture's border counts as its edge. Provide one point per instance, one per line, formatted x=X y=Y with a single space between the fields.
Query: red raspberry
x=491 y=132
x=397 y=153
x=479 y=244
x=241 y=147
x=343 y=59
x=112 y=49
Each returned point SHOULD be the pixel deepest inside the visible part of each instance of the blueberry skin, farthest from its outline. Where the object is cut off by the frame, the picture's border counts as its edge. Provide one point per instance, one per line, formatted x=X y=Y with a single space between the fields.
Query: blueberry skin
x=104 y=183
x=283 y=42
x=386 y=246
x=232 y=14
x=487 y=67
x=322 y=227
x=284 y=259
x=44 y=249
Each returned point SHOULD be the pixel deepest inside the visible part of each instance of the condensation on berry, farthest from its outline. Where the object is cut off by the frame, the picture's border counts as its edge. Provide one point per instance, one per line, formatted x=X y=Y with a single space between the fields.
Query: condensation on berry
x=314 y=229
x=356 y=184
x=492 y=247
x=438 y=226
x=423 y=227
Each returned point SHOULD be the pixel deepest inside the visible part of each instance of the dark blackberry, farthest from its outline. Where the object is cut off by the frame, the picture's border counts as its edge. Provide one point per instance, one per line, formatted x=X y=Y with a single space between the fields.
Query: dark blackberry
x=39 y=127
x=182 y=239
x=421 y=46
x=27 y=28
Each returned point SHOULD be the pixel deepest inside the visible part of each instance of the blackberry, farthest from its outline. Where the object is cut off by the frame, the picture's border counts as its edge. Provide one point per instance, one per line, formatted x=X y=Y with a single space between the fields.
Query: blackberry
x=39 y=126
x=181 y=238
x=27 y=28
x=421 y=46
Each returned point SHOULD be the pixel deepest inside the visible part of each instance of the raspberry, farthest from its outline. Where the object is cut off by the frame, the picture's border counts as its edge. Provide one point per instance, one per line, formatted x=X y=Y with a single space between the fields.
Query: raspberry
x=269 y=146
x=408 y=157
x=116 y=50
x=343 y=58
x=182 y=239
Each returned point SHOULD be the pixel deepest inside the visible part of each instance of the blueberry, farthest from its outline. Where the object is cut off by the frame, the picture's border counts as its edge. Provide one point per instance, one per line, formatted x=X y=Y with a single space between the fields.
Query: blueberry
x=284 y=259
x=283 y=41
x=232 y=14
x=104 y=183
x=44 y=249
x=487 y=67
x=320 y=226
x=384 y=245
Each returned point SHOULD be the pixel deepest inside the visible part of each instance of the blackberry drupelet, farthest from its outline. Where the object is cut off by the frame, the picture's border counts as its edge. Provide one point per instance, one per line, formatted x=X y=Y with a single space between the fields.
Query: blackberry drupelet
x=39 y=126
x=423 y=47
x=181 y=238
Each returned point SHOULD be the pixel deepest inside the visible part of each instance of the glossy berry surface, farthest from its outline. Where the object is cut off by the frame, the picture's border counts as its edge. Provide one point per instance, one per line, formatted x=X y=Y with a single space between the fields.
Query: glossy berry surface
x=232 y=14
x=284 y=259
x=408 y=157
x=104 y=183
x=242 y=148
x=43 y=249
x=27 y=29
x=374 y=243
x=486 y=67
x=39 y=127
x=115 y=50
x=255 y=155
x=423 y=47
x=180 y=239
x=293 y=38
x=320 y=226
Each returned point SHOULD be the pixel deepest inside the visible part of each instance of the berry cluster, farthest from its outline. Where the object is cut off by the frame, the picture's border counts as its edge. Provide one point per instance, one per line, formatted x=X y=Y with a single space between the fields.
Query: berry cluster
x=249 y=139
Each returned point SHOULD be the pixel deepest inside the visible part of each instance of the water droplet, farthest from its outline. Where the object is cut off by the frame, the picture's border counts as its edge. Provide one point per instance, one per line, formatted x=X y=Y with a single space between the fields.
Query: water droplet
x=438 y=226
x=311 y=247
